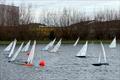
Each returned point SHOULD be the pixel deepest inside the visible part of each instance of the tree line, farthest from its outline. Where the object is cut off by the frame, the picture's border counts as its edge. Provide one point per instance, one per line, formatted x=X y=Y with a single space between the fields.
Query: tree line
x=67 y=24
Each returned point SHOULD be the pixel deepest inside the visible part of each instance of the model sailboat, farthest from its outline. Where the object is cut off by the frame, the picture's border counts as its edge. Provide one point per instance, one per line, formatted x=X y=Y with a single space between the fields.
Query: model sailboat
x=49 y=45
x=26 y=47
x=16 y=53
x=8 y=48
x=99 y=60
x=76 y=42
x=113 y=43
x=29 y=61
x=57 y=46
x=83 y=51
x=13 y=47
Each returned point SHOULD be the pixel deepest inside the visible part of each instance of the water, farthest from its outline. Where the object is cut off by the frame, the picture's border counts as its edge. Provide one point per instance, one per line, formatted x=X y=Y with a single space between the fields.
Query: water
x=63 y=65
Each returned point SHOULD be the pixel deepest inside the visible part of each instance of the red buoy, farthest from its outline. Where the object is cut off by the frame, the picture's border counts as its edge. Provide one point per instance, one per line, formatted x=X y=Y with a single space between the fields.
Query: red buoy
x=42 y=63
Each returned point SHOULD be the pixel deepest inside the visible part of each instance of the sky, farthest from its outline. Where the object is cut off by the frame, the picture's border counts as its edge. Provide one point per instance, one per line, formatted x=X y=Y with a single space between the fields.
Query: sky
x=88 y=6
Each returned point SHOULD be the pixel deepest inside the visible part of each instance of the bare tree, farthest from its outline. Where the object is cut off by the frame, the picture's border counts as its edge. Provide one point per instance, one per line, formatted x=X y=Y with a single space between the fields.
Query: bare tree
x=25 y=14
x=42 y=17
x=69 y=16
x=107 y=15
x=2 y=12
x=13 y=15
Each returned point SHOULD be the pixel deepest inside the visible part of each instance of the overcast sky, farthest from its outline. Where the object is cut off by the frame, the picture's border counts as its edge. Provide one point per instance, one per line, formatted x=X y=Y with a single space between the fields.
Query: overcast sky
x=88 y=6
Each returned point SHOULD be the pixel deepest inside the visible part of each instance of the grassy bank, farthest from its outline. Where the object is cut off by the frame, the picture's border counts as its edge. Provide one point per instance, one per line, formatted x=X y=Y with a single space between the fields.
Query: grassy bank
x=63 y=42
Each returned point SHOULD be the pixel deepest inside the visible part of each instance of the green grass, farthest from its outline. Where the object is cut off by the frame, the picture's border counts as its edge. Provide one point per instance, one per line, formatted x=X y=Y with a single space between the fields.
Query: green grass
x=63 y=42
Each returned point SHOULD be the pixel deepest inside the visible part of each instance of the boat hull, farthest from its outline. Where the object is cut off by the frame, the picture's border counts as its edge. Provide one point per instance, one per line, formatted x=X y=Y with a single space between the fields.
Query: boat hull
x=28 y=65
x=22 y=63
x=100 y=64
x=81 y=56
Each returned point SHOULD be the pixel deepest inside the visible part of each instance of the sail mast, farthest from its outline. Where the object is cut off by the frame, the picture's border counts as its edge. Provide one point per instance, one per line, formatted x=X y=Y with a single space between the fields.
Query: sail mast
x=76 y=42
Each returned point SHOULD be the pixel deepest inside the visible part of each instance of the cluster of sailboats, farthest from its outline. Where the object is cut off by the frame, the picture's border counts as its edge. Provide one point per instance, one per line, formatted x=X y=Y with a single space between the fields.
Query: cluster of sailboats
x=82 y=52
x=51 y=44
x=29 y=62
x=50 y=47
x=13 y=55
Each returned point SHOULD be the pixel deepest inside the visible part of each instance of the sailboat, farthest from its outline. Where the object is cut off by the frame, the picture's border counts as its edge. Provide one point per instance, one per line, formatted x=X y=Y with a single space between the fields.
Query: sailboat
x=113 y=43
x=83 y=51
x=26 y=47
x=99 y=59
x=13 y=47
x=76 y=42
x=57 y=46
x=49 y=45
x=8 y=48
x=29 y=61
x=16 y=53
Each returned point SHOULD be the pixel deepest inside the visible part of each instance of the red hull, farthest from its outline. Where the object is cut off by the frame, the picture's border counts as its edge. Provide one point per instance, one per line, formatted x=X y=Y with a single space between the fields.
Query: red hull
x=28 y=65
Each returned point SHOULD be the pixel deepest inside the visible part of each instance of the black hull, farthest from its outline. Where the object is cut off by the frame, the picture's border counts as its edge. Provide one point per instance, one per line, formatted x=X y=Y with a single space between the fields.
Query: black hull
x=18 y=62
x=9 y=61
x=81 y=56
x=100 y=64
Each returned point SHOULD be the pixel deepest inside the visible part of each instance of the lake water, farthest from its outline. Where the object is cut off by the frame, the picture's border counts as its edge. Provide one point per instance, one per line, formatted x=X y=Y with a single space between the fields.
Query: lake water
x=63 y=65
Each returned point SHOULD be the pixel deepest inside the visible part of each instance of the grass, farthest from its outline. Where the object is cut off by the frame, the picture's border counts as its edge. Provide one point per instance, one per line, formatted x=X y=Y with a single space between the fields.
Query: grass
x=63 y=42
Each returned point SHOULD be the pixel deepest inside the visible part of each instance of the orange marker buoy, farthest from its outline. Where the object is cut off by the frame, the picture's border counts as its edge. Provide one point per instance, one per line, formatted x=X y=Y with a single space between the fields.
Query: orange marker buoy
x=42 y=63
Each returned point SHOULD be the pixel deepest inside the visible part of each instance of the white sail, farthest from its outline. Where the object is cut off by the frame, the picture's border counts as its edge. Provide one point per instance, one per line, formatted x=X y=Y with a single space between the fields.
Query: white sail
x=113 y=43
x=17 y=52
x=31 y=55
x=76 y=42
x=49 y=45
x=83 y=50
x=99 y=59
x=56 y=47
x=26 y=47
x=9 y=47
x=52 y=43
x=13 y=47
x=104 y=54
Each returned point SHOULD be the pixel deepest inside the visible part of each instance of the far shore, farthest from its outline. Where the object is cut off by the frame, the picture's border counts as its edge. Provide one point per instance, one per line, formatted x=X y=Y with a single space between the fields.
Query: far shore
x=63 y=42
